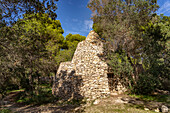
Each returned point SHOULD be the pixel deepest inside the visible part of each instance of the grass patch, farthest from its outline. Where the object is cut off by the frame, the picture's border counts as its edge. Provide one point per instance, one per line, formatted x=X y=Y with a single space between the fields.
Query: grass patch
x=45 y=85
x=45 y=96
x=5 y=111
x=158 y=98
x=136 y=106
x=122 y=108
x=11 y=91
x=76 y=102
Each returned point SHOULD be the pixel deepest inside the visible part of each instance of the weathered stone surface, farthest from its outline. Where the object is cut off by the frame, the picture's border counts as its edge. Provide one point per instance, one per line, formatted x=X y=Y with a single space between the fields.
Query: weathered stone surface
x=157 y=110
x=96 y=102
x=86 y=75
x=146 y=109
x=164 y=109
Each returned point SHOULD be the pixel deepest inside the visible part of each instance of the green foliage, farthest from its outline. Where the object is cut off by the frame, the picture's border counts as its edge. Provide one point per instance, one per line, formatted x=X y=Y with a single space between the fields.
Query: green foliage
x=33 y=47
x=64 y=55
x=119 y=23
x=73 y=40
x=156 y=47
x=11 y=10
x=158 y=98
x=141 y=36
x=146 y=84
x=39 y=42
x=120 y=66
x=28 y=50
x=5 y=111
x=49 y=31
x=68 y=47
x=44 y=97
x=76 y=102
x=155 y=55
x=8 y=59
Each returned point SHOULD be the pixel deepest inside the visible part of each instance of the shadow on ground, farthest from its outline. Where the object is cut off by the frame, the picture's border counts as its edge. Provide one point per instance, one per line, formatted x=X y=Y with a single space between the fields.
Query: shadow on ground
x=52 y=108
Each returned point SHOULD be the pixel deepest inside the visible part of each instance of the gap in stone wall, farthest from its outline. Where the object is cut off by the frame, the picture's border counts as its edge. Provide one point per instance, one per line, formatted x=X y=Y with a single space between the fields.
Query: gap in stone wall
x=111 y=81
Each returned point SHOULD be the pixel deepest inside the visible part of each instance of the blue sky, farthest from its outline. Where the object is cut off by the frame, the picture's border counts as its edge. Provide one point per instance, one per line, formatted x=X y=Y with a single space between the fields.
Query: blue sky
x=75 y=16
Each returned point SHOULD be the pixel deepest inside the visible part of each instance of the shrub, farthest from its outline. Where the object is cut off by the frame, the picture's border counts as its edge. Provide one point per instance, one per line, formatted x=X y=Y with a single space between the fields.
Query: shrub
x=146 y=84
x=5 y=111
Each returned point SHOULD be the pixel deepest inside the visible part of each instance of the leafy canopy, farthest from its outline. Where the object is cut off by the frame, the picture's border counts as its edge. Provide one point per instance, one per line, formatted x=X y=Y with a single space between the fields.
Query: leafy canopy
x=11 y=10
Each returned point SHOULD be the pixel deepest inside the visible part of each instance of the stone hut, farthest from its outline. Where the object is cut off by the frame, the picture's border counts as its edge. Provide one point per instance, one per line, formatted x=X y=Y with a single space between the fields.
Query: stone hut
x=86 y=76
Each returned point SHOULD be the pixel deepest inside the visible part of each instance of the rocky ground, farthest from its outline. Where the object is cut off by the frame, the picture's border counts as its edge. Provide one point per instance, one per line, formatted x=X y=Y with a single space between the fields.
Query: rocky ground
x=9 y=103
x=112 y=104
x=125 y=103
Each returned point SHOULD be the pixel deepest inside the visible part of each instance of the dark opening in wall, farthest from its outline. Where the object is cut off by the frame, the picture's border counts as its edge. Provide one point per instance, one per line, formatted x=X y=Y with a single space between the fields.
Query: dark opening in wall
x=111 y=81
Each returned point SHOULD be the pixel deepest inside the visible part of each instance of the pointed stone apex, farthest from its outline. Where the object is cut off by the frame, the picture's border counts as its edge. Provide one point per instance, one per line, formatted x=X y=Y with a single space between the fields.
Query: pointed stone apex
x=92 y=36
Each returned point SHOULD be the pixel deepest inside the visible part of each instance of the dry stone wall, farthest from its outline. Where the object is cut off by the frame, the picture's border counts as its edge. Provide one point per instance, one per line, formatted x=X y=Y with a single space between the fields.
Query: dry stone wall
x=86 y=75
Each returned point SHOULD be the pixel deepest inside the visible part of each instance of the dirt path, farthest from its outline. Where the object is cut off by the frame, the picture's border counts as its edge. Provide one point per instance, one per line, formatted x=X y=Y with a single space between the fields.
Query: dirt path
x=125 y=104
x=40 y=109
x=113 y=103
x=8 y=103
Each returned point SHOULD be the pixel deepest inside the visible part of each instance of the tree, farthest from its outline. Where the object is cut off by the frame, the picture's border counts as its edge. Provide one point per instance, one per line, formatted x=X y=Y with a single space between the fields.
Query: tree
x=155 y=53
x=12 y=52
x=73 y=40
x=156 y=41
x=68 y=48
x=33 y=47
x=135 y=35
x=30 y=47
x=119 y=23
x=11 y=10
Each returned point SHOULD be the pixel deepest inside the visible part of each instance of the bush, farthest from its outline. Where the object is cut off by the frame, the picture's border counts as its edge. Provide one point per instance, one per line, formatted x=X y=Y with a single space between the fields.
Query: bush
x=45 y=96
x=5 y=111
x=146 y=84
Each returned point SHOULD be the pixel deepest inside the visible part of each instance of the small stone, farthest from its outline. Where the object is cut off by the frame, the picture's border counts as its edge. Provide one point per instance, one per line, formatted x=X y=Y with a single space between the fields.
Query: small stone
x=77 y=109
x=119 y=101
x=96 y=102
x=88 y=100
x=4 y=102
x=146 y=109
x=113 y=94
x=164 y=109
x=157 y=110
x=125 y=99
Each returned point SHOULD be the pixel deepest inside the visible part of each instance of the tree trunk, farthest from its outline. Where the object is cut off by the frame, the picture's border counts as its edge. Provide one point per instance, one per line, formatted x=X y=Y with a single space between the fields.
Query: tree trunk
x=133 y=74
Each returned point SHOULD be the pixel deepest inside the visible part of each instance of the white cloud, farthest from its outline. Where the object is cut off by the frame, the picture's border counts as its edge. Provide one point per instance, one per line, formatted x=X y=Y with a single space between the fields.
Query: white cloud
x=84 y=27
x=75 y=20
x=72 y=32
x=88 y=25
x=165 y=8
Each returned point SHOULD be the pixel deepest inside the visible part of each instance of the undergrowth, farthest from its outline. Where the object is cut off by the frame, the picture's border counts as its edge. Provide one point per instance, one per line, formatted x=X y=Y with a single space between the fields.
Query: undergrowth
x=158 y=98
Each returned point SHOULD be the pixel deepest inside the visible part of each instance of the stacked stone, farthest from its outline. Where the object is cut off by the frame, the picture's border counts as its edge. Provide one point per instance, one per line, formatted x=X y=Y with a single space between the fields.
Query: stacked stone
x=67 y=84
x=92 y=67
x=86 y=74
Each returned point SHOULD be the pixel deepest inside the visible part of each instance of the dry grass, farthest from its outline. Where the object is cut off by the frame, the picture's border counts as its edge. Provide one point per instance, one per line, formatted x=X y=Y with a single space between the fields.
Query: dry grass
x=121 y=108
x=112 y=105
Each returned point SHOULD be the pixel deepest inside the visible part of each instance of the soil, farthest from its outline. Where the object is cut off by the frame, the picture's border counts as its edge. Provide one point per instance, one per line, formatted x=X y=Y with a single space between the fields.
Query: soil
x=9 y=103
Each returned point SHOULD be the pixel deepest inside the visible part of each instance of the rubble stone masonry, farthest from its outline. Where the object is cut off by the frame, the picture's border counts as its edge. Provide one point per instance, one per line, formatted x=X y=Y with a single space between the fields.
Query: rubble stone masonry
x=87 y=74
